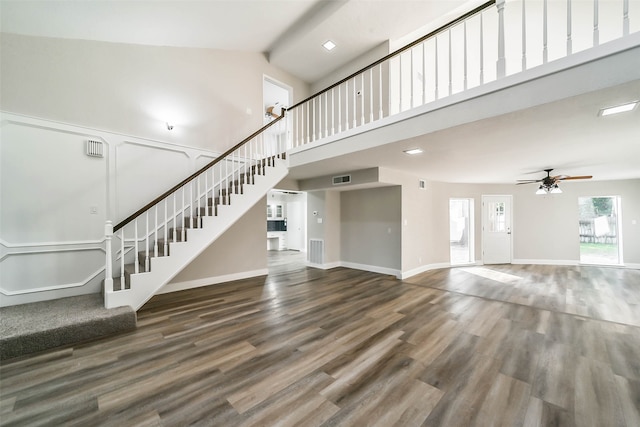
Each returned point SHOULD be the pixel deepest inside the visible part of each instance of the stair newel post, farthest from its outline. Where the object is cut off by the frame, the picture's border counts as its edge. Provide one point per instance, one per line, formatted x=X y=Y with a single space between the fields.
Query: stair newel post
x=146 y=253
x=502 y=62
x=122 y=284
x=108 y=274
x=135 y=246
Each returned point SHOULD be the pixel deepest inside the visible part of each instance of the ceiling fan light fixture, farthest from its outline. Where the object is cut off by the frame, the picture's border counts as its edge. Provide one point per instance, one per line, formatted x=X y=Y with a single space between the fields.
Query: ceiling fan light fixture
x=541 y=190
x=555 y=190
x=618 y=109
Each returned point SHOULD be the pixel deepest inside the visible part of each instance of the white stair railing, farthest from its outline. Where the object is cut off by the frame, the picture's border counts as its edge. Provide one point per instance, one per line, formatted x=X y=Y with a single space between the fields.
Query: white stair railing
x=166 y=219
x=497 y=39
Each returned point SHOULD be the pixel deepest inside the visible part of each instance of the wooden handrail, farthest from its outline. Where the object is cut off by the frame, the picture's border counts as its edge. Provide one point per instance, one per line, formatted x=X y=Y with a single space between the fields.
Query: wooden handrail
x=402 y=49
x=195 y=175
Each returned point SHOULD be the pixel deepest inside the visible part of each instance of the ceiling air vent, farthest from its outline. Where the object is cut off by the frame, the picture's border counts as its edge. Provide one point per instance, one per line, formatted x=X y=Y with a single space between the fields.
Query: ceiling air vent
x=342 y=179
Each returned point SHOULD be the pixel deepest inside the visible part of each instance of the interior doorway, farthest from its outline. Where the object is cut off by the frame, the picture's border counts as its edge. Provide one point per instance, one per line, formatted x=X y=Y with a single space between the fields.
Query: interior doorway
x=461 y=231
x=286 y=227
x=599 y=224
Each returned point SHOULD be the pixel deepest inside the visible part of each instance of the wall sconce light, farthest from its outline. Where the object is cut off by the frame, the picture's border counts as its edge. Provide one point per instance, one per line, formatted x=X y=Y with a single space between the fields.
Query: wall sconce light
x=169 y=126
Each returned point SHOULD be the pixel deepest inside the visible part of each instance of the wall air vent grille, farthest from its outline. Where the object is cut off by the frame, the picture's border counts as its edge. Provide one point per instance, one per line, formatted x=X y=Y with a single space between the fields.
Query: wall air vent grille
x=316 y=251
x=95 y=148
x=342 y=179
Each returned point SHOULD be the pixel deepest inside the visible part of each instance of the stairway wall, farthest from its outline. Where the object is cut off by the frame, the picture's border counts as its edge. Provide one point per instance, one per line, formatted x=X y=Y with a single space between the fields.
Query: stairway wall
x=240 y=253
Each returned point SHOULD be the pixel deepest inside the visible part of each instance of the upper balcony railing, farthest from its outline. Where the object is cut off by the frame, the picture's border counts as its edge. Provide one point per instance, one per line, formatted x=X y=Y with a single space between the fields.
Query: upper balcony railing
x=497 y=39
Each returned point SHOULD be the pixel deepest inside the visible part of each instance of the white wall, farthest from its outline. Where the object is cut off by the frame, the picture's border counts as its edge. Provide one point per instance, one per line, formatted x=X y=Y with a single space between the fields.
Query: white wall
x=134 y=89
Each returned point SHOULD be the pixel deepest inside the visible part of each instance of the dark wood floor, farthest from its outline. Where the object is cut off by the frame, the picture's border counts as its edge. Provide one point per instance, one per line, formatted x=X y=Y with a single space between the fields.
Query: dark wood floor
x=505 y=345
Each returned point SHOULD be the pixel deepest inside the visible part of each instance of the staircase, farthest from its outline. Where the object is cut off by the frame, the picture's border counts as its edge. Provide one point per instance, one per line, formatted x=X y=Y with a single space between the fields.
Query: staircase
x=154 y=244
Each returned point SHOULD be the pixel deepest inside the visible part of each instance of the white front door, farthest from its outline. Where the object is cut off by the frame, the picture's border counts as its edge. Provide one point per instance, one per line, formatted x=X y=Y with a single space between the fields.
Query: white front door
x=496 y=229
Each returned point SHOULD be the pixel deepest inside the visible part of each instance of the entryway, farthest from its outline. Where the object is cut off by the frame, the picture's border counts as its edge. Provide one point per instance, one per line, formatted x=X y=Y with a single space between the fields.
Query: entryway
x=461 y=231
x=496 y=229
x=599 y=224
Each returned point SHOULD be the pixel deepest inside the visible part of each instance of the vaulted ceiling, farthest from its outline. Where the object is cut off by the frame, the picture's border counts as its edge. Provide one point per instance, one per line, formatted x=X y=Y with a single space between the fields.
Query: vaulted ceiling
x=290 y=33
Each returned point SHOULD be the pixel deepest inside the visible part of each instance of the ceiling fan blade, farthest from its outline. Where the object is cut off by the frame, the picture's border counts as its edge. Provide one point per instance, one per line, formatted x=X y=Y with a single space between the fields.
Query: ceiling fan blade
x=575 y=177
x=560 y=177
x=527 y=182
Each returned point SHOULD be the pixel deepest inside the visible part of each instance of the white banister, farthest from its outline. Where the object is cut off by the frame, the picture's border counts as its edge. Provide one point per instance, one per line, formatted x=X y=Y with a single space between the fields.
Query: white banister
x=596 y=24
x=545 y=32
x=355 y=108
x=108 y=270
x=482 y=49
x=625 y=18
x=122 y=280
x=146 y=257
x=524 y=36
x=569 y=36
x=502 y=62
x=450 y=65
x=136 y=249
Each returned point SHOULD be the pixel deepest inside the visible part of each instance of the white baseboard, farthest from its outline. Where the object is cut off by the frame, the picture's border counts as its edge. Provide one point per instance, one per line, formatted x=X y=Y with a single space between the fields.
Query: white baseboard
x=190 y=284
x=326 y=266
x=372 y=268
x=546 y=261
x=632 y=266
x=423 y=268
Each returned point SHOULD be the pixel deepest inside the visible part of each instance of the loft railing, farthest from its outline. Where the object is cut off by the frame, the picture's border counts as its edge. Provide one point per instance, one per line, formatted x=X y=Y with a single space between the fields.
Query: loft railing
x=150 y=229
x=496 y=39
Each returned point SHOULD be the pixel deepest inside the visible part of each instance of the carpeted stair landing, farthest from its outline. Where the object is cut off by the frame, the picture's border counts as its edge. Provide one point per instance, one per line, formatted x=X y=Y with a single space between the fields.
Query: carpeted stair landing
x=30 y=328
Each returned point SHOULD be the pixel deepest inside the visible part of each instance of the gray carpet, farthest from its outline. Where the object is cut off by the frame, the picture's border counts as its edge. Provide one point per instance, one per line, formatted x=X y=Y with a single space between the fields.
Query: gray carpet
x=30 y=328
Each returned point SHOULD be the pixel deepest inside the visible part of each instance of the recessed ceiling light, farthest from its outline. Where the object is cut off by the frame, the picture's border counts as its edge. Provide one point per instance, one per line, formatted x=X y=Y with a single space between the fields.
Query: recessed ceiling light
x=413 y=151
x=329 y=45
x=618 y=109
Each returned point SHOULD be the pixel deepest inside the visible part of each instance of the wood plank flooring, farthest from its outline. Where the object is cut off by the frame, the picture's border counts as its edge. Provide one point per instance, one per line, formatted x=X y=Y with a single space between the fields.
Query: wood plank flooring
x=492 y=346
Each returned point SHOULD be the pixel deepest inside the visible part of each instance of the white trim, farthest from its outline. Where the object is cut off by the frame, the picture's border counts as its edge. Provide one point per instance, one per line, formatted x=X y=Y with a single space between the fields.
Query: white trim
x=546 y=261
x=372 y=268
x=53 y=287
x=39 y=244
x=207 y=281
x=427 y=267
x=632 y=266
x=327 y=266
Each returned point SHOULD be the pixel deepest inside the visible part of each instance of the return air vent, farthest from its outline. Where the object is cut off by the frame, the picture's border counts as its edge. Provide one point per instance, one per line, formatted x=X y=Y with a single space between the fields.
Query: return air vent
x=95 y=148
x=316 y=251
x=342 y=179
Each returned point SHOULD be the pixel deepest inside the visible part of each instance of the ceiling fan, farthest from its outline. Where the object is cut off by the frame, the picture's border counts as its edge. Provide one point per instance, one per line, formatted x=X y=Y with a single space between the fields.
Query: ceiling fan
x=549 y=184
